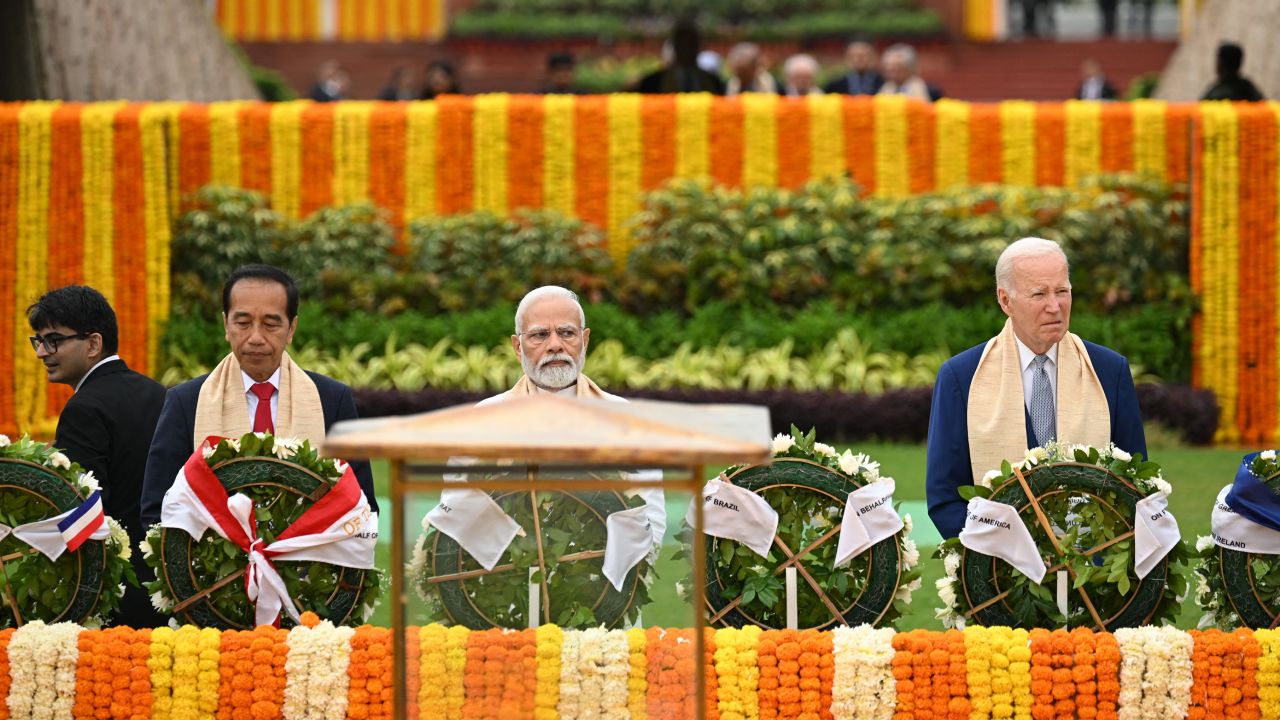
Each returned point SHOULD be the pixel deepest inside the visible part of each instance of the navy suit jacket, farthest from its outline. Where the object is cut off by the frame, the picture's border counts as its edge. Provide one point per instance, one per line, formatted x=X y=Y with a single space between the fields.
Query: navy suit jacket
x=172 y=443
x=947 y=466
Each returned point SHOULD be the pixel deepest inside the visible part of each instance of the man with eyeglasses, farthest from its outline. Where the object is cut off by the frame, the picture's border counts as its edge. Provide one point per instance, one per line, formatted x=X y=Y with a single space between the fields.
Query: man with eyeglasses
x=551 y=338
x=107 y=424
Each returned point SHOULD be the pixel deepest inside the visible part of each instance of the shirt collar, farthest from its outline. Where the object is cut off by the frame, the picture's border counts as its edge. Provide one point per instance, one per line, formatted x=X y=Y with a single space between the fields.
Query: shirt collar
x=250 y=382
x=1025 y=355
x=96 y=365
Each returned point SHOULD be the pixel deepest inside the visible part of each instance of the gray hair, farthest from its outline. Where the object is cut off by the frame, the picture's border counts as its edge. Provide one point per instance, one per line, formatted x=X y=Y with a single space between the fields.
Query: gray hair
x=744 y=51
x=797 y=62
x=1027 y=247
x=542 y=293
x=904 y=50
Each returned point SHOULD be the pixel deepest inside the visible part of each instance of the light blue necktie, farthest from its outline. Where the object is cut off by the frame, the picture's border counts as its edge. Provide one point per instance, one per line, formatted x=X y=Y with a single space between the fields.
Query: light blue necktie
x=1043 y=418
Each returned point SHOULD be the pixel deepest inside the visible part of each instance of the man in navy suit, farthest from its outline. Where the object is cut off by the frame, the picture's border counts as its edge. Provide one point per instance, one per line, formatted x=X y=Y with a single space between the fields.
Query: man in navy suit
x=264 y=389
x=1033 y=383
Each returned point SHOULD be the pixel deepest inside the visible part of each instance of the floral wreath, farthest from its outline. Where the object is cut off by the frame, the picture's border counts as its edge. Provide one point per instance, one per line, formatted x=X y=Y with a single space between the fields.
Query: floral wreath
x=456 y=590
x=1092 y=548
x=35 y=587
x=808 y=484
x=1223 y=574
x=198 y=580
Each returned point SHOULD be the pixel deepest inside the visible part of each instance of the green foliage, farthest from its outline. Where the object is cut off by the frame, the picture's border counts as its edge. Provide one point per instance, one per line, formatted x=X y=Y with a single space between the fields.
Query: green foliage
x=1143 y=86
x=271 y=85
x=903 y=21
x=225 y=228
x=480 y=259
x=760 y=247
x=521 y=24
x=1155 y=337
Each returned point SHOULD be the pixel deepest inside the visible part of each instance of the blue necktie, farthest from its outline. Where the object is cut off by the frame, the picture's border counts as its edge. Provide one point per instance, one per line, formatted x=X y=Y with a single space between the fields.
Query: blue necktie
x=1043 y=418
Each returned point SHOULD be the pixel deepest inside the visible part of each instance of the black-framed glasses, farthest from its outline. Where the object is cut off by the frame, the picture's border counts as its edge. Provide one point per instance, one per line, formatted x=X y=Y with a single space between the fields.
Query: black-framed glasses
x=50 y=342
x=567 y=334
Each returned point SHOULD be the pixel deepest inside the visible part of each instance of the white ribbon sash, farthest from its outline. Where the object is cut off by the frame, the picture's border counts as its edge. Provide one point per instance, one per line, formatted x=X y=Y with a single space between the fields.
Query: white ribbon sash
x=1236 y=532
x=476 y=523
x=1155 y=533
x=338 y=529
x=629 y=540
x=734 y=513
x=995 y=529
x=869 y=517
x=44 y=535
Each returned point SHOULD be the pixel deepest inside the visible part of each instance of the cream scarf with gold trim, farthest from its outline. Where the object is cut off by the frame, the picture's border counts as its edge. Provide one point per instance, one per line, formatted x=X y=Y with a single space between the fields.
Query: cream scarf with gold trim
x=585 y=388
x=997 y=406
x=222 y=409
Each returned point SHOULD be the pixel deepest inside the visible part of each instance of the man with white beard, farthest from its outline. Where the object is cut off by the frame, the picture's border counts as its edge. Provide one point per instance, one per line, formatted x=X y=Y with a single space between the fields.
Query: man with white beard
x=551 y=337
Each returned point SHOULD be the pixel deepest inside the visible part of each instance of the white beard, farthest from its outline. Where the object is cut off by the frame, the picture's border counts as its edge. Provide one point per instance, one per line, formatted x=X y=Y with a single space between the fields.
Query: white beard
x=552 y=378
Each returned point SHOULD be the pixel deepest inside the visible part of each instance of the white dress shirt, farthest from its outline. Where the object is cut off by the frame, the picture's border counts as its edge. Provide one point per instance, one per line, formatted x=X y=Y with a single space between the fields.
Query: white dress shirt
x=101 y=362
x=252 y=399
x=1025 y=357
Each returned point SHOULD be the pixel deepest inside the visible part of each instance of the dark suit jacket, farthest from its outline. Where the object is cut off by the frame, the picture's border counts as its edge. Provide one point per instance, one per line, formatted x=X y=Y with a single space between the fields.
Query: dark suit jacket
x=106 y=426
x=173 y=441
x=947 y=464
x=870 y=85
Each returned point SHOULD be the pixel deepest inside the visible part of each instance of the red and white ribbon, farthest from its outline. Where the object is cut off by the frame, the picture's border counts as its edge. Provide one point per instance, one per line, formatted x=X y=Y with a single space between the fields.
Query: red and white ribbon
x=338 y=529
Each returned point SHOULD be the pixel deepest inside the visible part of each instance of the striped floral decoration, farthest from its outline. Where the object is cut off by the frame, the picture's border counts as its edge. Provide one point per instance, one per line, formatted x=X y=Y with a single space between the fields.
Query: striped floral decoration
x=329 y=20
x=318 y=672
x=94 y=188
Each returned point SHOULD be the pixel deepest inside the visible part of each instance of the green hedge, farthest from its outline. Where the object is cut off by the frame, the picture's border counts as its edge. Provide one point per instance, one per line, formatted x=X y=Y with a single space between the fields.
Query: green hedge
x=1155 y=338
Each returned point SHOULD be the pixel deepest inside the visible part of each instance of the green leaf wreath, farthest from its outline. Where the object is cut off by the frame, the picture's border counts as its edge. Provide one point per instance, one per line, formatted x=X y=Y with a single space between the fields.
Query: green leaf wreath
x=283 y=477
x=873 y=587
x=578 y=595
x=1088 y=496
x=38 y=482
x=1231 y=582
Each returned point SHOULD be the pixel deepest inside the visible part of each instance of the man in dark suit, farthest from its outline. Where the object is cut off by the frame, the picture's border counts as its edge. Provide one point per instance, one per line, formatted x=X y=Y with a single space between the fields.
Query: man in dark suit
x=862 y=78
x=1034 y=383
x=682 y=74
x=256 y=387
x=106 y=426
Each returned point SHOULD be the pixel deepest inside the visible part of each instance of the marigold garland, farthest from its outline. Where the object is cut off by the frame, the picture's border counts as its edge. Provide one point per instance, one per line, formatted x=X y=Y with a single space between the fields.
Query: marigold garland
x=369 y=696
x=1149 y=137
x=286 y=158
x=10 y=179
x=693 y=131
x=1083 y=148
x=524 y=152
x=625 y=183
x=1018 y=142
x=420 y=160
x=591 y=159
x=791 y=120
x=726 y=143
x=891 y=146
x=489 y=137
x=759 y=140
x=637 y=680
x=224 y=143
x=558 y=180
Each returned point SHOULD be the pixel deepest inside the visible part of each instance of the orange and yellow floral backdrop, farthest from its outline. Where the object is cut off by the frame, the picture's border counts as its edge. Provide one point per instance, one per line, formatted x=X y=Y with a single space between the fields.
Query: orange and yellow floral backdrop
x=88 y=192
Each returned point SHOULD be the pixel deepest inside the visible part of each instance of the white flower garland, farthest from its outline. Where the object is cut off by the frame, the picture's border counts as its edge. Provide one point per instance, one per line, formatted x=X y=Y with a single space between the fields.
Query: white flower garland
x=948 y=587
x=42 y=669
x=863 y=687
x=316 y=681
x=615 y=673
x=1155 y=672
x=590 y=670
x=570 y=703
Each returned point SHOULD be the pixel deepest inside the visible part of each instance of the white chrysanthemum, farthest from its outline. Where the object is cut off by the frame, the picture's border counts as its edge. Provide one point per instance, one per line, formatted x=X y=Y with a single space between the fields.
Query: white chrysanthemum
x=824 y=449
x=285 y=447
x=1120 y=455
x=88 y=481
x=907 y=524
x=340 y=467
x=848 y=463
x=782 y=443
x=1204 y=542
x=1162 y=485
x=121 y=538
x=59 y=460
x=1202 y=588
x=419 y=559
x=946 y=592
x=207 y=451
x=161 y=602
x=910 y=553
x=4 y=440
x=951 y=563
x=1265 y=454
x=260 y=435
x=145 y=547
x=234 y=443
x=989 y=478
x=1034 y=455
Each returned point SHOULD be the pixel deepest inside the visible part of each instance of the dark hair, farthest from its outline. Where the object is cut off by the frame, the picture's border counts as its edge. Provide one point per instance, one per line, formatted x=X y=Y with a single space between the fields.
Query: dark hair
x=560 y=60
x=262 y=272
x=1230 y=58
x=80 y=308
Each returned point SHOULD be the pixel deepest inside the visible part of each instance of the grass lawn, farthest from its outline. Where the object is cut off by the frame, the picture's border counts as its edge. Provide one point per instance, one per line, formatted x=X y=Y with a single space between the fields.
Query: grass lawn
x=1195 y=473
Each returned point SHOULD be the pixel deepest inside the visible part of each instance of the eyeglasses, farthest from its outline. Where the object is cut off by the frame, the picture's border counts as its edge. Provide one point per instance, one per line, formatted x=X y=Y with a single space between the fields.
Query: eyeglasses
x=50 y=342
x=567 y=335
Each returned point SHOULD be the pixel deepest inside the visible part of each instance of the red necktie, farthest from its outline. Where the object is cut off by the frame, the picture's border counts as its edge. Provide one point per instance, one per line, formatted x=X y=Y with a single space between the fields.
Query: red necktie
x=262 y=418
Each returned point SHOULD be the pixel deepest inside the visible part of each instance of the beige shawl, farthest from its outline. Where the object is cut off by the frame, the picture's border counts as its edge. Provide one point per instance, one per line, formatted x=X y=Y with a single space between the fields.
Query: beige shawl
x=997 y=408
x=223 y=411
x=585 y=388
